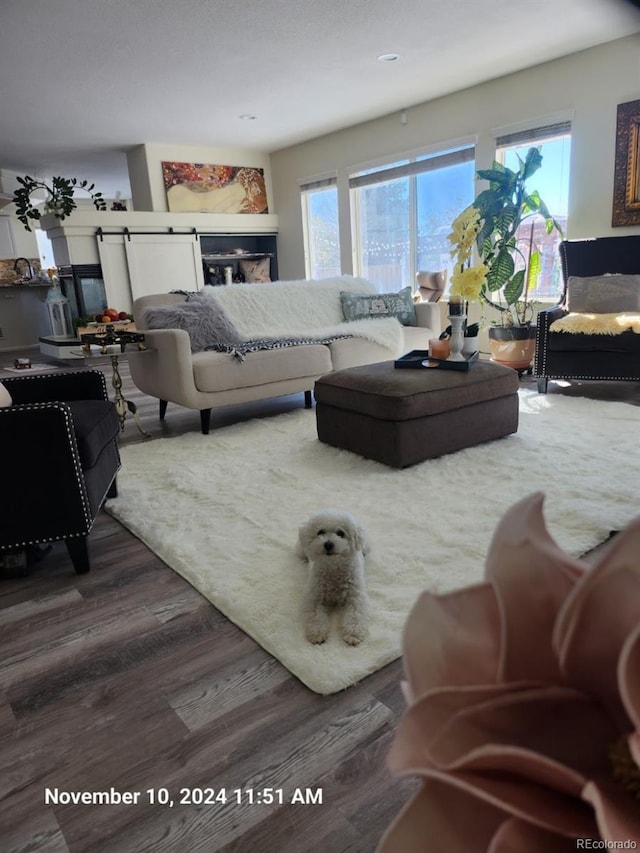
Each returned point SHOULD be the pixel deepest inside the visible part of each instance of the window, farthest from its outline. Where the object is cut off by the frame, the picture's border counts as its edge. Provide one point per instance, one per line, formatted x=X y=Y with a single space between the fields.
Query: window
x=320 y=223
x=402 y=215
x=552 y=182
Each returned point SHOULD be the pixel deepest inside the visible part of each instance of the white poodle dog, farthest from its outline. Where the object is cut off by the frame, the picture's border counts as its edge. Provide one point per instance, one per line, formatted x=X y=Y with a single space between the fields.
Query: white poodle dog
x=334 y=543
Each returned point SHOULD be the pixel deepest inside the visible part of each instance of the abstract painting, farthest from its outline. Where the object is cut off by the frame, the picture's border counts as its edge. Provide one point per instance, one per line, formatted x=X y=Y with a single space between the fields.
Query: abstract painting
x=204 y=188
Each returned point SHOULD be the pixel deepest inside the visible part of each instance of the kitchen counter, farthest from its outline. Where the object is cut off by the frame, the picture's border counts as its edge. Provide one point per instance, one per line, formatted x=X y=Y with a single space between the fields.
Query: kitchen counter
x=24 y=285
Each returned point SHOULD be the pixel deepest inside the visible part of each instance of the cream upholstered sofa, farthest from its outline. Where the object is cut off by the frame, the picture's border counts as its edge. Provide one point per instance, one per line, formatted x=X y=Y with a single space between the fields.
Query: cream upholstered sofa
x=308 y=310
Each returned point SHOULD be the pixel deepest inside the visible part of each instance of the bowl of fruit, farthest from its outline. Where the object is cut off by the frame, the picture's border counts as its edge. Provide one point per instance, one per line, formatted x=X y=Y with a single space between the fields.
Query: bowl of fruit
x=110 y=315
x=107 y=319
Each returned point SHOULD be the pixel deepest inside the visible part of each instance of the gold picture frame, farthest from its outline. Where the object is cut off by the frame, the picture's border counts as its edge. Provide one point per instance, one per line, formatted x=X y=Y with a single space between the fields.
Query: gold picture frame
x=213 y=188
x=626 y=179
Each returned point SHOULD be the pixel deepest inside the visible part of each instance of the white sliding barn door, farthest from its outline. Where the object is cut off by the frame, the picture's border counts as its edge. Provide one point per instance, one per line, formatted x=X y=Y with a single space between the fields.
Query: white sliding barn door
x=159 y=263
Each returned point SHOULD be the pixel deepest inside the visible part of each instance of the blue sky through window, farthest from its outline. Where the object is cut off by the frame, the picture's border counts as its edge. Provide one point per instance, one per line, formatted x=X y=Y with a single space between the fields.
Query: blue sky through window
x=552 y=180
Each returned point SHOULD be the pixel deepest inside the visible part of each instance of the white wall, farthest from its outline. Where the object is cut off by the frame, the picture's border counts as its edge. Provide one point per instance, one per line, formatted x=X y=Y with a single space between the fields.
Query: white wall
x=145 y=169
x=585 y=87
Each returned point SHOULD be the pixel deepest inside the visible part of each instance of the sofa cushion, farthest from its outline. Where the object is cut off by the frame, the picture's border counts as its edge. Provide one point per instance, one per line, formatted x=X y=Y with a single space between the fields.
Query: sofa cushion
x=358 y=306
x=603 y=294
x=201 y=316
x=213 y=371
x=5 y=396
x=417 y=337
x=256 y=271
x=355 y=351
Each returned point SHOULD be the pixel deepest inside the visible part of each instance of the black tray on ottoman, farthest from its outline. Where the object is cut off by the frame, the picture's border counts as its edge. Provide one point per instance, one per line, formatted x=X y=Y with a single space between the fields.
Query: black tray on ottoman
x=400 y=417
x=419 y=359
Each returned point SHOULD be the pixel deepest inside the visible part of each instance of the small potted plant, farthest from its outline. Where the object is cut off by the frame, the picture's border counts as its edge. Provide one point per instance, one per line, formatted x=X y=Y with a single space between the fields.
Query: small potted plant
x=512 y=262
x=59 y=201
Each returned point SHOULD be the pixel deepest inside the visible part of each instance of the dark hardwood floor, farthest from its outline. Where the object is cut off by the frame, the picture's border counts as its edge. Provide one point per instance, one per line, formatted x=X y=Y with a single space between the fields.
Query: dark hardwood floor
x=127 y=680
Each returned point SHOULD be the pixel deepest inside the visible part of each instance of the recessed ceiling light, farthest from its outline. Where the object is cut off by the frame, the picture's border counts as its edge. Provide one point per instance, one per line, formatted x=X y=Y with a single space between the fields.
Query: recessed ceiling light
x=247 y=117
x=388 y=57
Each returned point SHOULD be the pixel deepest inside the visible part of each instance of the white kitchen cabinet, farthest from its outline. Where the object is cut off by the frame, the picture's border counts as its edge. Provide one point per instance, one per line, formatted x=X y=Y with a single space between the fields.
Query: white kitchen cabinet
x=7 y=243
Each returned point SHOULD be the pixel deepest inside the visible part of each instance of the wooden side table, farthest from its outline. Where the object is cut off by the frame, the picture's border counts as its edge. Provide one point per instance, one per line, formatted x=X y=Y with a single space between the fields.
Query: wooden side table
x=107 y=340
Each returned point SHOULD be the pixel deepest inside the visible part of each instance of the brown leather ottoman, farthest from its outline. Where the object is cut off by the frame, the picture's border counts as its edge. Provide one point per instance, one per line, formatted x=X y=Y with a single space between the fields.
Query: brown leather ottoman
x=400 y=417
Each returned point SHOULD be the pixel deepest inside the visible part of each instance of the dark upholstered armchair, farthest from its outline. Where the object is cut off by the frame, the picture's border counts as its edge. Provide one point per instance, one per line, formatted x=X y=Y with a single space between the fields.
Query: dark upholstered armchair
x=580 y=355
x=59 y=460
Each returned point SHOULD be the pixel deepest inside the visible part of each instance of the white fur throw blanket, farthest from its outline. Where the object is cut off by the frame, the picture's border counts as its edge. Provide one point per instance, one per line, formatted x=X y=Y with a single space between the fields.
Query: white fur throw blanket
x=597 y=324
x=309 y=309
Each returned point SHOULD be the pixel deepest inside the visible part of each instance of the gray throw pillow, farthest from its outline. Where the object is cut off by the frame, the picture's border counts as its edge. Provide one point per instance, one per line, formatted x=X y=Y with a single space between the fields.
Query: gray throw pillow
x=202 y=317
x=361 y=306
x=603 y=294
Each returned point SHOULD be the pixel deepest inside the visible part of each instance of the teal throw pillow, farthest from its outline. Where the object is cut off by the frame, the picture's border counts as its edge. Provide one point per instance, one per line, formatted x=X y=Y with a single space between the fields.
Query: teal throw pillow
x=367 y=306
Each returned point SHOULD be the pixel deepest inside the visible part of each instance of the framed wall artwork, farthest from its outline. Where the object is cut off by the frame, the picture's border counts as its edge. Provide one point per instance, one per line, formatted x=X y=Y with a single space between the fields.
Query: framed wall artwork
x=626 y=180
x=204 y=188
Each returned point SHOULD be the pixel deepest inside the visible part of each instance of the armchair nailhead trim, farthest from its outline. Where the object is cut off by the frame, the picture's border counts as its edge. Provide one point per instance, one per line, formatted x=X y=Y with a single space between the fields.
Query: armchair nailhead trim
x=603 y=378
x=36 y=376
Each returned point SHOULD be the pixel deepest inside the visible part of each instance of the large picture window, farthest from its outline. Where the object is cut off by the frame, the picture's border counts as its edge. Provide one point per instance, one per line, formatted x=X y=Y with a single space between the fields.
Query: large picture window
x=320 y=223
x=401 y=215
x=552 y=182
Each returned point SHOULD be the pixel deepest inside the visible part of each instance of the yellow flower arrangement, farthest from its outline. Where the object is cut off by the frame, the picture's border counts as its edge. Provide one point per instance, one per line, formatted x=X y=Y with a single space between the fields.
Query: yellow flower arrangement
x=464 y=230
x=467 y=280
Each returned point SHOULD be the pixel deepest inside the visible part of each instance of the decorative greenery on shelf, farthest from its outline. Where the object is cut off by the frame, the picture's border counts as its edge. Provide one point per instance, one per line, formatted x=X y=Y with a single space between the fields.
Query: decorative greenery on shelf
x=59 y=201
x=511 y=264
x=79 y=322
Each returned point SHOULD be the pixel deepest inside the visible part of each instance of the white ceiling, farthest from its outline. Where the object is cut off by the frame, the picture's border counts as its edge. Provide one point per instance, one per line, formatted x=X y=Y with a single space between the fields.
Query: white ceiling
x=83 y=81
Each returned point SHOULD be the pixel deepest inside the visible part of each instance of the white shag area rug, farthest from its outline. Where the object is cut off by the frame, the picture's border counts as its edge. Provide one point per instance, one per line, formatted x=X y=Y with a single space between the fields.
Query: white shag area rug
x=223 y=511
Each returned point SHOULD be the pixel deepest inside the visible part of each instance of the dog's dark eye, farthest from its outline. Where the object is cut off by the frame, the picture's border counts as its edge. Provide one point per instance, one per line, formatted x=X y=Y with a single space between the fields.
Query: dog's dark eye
x=321 y=532
x=341 y=533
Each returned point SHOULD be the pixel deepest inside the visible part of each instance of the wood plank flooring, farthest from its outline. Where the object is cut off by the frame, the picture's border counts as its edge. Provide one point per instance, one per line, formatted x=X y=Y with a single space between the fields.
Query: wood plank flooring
x=128 y=679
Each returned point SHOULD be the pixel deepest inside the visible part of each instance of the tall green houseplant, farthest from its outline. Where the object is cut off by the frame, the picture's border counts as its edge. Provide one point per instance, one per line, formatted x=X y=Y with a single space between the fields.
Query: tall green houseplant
x=513 y=263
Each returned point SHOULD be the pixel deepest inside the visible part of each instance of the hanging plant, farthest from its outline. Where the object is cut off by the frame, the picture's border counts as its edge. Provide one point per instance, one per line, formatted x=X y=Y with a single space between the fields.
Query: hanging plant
x=59 y=201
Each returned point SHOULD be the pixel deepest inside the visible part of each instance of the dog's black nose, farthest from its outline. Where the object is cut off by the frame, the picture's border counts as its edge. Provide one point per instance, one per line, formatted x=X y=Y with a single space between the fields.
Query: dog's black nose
x=328 y=547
